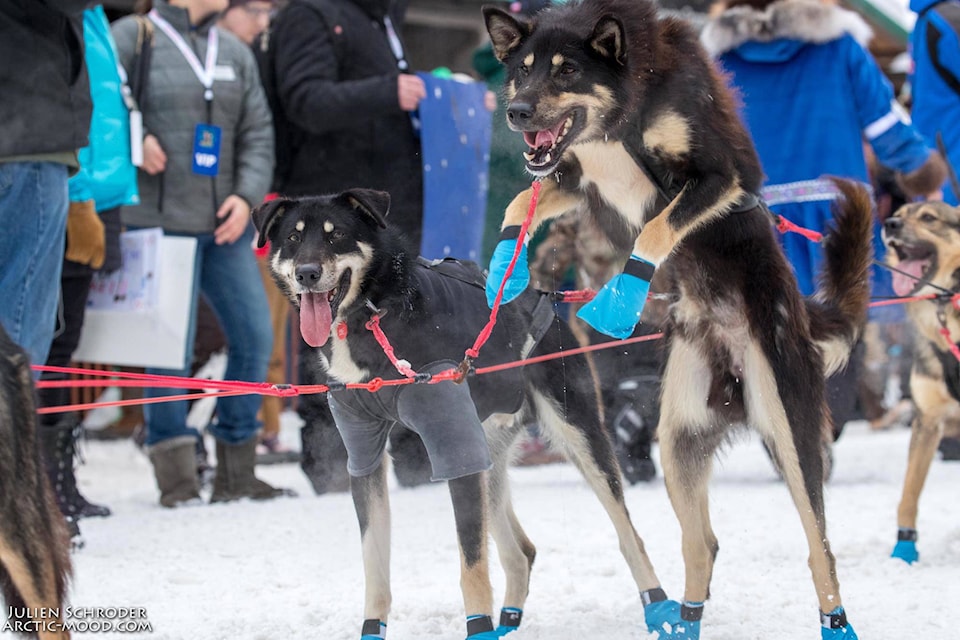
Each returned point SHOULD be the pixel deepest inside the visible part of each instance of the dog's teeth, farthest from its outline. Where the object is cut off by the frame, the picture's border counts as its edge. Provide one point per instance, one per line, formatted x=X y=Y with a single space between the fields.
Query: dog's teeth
x=546 y=158
x=528 y=155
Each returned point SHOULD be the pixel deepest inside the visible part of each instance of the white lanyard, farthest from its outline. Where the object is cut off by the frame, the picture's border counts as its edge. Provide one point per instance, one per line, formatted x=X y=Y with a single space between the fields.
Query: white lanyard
x=394 y=41
x=205 y=73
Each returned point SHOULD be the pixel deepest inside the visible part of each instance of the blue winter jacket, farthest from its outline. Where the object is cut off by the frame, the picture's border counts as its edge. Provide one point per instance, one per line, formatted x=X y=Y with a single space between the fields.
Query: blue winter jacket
x=936 y=104
x=812 y=94
x=107 y=174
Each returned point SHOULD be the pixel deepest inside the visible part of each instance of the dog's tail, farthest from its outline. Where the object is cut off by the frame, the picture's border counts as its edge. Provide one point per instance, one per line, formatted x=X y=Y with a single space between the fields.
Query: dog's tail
x=838 y=310
x=35 y=563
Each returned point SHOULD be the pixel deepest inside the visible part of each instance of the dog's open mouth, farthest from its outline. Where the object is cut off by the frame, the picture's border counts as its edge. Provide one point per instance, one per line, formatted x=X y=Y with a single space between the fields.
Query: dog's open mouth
x=915 y=261
x=318 y=309
x=547 y=145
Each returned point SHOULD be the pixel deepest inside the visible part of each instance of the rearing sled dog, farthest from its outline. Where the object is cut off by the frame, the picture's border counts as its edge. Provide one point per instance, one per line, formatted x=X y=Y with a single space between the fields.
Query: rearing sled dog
x=628 y=121
x=340 y=265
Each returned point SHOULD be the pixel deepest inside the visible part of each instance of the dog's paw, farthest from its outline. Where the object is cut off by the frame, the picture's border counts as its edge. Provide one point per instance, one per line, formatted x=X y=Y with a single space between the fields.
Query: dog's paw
x=510 y=618
x=373 y=629
x=616 y=308
x=480 y=627
x=672 y=621
x=500 y=261
x=906 y=547
x=834 y=626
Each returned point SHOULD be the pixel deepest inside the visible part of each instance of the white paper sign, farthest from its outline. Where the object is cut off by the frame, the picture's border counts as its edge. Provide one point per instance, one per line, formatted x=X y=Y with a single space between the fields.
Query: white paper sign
x=140 y=319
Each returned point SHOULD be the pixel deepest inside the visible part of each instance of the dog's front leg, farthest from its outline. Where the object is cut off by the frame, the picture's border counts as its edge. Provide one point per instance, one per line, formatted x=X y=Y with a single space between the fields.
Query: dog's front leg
x=935 y=402
x=616 y=308
x=552 y=202
x=371 y=500
x=469 y=497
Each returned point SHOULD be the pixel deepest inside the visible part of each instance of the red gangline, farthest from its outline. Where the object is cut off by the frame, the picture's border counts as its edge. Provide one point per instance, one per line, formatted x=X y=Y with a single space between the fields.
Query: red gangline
x=474 y=351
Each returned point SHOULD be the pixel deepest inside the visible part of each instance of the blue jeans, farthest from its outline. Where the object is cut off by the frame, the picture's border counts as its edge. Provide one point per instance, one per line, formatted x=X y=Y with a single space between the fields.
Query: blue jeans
x=229 y=278
x=33 y=223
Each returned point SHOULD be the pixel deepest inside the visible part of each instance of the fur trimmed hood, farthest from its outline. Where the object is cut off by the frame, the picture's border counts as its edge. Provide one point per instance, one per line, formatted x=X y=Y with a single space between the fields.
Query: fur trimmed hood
x=810 y=21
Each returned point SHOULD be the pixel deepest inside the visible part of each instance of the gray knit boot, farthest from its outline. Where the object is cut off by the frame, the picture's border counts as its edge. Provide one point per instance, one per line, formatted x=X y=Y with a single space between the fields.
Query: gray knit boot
x=175 y=468
x=235 y=478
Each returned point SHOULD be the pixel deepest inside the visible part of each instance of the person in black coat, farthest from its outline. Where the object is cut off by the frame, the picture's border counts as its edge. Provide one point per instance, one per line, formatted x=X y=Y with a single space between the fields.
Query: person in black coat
x=344 y=102
x=347 y=101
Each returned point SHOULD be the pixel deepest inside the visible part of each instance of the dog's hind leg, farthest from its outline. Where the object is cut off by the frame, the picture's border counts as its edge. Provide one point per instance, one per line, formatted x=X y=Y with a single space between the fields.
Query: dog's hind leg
x=470 y=511
x=791 y=416
x=514 y=548
x=588 y=447
x=372 y=503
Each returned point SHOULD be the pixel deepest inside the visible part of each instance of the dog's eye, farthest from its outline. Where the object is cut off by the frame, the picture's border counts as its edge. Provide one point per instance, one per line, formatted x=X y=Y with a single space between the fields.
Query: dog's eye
x=928 y=217
x=294 y=237
x=336 y=236
x=523 y=71
x=567 y=69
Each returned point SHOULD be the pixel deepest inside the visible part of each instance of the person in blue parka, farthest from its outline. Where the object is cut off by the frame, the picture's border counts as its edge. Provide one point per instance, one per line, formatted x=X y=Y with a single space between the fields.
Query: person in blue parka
x=935 y=81
x=812 y=94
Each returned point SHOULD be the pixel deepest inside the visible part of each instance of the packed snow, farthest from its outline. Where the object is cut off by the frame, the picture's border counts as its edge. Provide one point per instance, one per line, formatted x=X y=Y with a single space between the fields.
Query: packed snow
x=291 y=568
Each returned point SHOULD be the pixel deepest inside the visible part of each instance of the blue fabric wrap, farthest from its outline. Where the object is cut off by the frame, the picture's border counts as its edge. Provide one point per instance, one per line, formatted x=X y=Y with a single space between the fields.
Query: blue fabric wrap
x=499 y=261
x=616 y=308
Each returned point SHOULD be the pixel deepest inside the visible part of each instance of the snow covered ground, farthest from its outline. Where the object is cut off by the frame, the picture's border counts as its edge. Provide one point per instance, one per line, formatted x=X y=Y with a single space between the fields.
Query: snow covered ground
x=291 y=568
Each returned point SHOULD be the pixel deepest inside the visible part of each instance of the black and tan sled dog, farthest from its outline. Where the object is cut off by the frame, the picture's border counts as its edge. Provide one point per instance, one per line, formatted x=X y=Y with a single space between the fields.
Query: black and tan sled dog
x=34 y=559
x=340 y=265
x=923 y=244
x=628 y=121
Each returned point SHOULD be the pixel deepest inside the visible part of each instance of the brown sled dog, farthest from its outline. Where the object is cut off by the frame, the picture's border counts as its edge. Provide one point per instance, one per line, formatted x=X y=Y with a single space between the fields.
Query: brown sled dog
x=34 y=559
x=923 y=244
x=628 y=122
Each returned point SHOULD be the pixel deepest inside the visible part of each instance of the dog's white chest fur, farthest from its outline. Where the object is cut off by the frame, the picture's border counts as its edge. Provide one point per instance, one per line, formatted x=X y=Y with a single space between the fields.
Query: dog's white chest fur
x=610 y=168
x=341 y=365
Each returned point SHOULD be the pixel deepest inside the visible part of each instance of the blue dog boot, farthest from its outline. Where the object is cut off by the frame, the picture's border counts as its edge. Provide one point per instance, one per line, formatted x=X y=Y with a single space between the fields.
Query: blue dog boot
x=906 y=547
x=480 y=627
x=500 y=260
x=834 y=626
x=616 y=308
x=373 y=629
x=668 y=618
x=510 y=618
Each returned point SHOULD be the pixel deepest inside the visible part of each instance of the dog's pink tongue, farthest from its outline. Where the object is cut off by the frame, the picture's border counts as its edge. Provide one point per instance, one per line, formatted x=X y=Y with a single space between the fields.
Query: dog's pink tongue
x=315 y=318
x=544 y=138
x=903 y=284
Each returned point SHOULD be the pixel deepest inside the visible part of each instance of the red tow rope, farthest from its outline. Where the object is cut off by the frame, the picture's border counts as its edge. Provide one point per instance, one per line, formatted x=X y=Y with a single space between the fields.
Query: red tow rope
x=472 y=353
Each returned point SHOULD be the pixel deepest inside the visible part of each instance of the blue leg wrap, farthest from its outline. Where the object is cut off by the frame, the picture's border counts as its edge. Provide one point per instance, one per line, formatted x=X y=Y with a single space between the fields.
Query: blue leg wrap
x=834 y=626
x=500 y=260
x=510 y=618
x=373 y=629
x=906 y=547
x=615 y=310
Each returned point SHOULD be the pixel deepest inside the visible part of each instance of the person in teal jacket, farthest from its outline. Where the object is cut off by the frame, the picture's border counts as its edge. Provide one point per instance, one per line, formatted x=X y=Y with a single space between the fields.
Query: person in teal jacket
x=106 y=181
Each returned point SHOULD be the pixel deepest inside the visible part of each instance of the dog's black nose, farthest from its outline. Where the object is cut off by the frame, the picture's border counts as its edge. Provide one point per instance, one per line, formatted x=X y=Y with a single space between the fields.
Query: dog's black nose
x=892 y=224
x=308 y=274
x=519 y=112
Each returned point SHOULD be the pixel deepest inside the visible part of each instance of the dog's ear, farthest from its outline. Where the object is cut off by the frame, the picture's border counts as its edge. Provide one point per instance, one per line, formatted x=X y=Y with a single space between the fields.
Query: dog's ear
x=266 y=215
x=374 y=204
x=609 y=39
x=506 y=32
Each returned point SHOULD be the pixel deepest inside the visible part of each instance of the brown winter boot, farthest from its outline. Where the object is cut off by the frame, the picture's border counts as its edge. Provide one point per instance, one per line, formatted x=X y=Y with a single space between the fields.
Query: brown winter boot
x=235 y=478
x=175 y=467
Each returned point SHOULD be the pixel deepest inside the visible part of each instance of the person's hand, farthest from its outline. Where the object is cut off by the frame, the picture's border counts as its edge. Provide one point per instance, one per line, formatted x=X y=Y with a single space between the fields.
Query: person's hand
x=234 y=215
x=490 y=101
x=86 y=239
x=410 y=91
x=154 y=158
x=934 y=196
